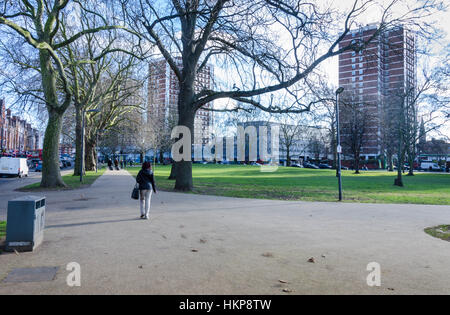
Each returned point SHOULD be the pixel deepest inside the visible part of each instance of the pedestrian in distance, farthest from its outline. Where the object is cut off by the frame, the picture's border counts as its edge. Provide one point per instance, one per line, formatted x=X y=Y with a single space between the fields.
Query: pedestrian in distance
x=116 y=164
x=146 y=182
x=110 y=163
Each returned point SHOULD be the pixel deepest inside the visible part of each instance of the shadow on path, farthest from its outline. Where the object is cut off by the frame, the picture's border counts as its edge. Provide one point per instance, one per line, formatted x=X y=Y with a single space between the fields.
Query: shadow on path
x=89 y=223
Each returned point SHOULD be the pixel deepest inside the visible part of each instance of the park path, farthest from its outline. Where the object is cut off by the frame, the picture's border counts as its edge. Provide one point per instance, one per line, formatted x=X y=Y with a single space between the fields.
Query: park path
x=216 y=245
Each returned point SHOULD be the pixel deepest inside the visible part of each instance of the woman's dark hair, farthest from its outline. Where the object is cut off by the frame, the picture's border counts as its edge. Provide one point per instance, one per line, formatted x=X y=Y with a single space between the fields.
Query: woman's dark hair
x=146 y=166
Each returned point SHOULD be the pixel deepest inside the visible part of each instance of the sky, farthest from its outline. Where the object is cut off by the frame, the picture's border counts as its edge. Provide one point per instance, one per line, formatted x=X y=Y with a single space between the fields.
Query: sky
x=442 y=20
x=330 y=67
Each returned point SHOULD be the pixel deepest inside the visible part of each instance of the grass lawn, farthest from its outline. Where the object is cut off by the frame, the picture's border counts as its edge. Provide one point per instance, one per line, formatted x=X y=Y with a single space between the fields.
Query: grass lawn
x=72 y=182
x=2 y=229
x=442 y=232
x=311 y=185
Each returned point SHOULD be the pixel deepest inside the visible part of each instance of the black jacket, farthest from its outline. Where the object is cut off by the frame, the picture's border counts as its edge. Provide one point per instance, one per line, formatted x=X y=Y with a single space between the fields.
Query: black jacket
x=144 y=179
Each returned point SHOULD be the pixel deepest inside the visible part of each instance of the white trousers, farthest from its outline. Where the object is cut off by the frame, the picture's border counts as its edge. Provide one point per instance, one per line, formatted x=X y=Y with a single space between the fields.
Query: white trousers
x=146 y=198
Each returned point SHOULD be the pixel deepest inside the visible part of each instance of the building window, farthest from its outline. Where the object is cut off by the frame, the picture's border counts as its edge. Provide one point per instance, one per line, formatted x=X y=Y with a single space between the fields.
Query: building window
x=361 y=71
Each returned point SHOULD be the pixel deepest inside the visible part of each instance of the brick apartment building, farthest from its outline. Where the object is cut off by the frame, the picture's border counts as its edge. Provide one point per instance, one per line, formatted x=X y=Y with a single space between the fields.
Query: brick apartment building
x=163 y=90
x=16 y=135
x=374 y=76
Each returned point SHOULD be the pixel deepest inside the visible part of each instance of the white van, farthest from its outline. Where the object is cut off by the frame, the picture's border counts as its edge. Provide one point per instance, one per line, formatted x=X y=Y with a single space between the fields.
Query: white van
x=429 y=166
x=13 y=166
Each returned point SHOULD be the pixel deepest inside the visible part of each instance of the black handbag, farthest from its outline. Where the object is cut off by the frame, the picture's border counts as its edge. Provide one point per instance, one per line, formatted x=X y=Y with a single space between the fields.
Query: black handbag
x=135 y=193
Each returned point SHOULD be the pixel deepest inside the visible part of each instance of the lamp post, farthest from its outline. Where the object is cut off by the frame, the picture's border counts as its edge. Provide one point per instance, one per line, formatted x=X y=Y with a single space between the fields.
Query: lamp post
x=338 y=142
x=98 y=148
x=82 y=139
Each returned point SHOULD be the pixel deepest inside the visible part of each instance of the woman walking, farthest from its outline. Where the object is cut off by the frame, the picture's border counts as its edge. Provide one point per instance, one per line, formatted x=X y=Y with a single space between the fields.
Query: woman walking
x=145 y=178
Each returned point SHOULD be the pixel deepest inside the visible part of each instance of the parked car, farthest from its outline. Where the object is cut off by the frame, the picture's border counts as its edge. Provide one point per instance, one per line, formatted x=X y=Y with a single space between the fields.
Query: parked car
x=66 y=162
x=325 y=166
x=33 y=163
x=38 y=167
x=310 y=165
x=429 y=166
x=13 y=166
x=296 y=165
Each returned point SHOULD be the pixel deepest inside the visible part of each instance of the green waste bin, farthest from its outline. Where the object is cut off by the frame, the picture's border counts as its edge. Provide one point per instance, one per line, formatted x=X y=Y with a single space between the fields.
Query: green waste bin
x=26 y=223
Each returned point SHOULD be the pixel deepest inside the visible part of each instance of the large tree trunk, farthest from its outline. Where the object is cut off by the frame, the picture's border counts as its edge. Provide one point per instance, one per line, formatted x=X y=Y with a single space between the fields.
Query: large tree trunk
x=333 y=145
x=399 y=180
x=356 y=164
x=183 y=169
x=91 y=155
x=173 y=172
x=411 y=166
x=288 y=156
x=411 y=158
x=78 y=140
x=51 y=173
x=390 y=164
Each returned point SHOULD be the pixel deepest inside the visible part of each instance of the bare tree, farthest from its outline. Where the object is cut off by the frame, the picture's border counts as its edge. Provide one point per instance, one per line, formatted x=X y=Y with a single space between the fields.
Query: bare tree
x=316 y=146
x=96 y=68
x=289 y=137
x=407 y=104
x=38 y=24
x=240 y=35
x=141 y=133
x=355 y=129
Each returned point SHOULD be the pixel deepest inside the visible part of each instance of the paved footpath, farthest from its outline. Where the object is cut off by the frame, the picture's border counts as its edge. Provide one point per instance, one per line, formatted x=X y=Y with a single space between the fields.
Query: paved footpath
x=215 y=245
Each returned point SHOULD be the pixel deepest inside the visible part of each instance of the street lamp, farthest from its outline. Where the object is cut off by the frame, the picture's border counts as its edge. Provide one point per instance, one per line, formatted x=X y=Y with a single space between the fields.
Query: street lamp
x=82 y=140
x=338 y=142
x=98 y=148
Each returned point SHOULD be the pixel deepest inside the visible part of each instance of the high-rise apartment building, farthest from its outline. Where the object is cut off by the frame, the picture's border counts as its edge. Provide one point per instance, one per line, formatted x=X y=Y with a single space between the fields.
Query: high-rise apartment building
x=163 y=90
x=373 y=77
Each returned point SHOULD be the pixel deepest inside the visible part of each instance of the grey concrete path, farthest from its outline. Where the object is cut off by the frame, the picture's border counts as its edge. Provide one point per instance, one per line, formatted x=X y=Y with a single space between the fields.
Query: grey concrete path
x=215 y=245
